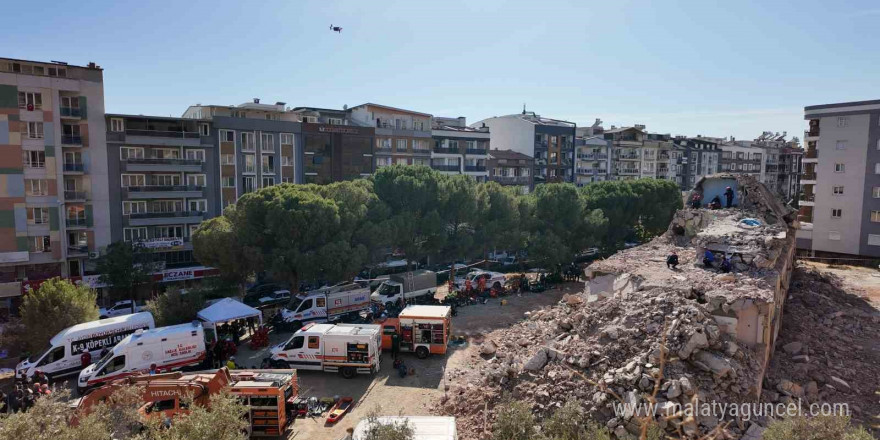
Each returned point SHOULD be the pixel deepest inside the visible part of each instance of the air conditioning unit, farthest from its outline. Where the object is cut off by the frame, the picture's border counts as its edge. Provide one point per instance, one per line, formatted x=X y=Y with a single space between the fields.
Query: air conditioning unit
x=94 y=255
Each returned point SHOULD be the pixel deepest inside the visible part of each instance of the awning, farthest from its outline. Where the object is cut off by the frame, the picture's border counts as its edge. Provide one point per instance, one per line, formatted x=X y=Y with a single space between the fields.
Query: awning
x=228 y=309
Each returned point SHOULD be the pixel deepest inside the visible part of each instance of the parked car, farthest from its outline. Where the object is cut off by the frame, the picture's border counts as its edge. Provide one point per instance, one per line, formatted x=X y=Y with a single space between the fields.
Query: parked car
x=497 y=255
x=630 y=244
x=124 y=307
x=493 y=279
x=278 y=296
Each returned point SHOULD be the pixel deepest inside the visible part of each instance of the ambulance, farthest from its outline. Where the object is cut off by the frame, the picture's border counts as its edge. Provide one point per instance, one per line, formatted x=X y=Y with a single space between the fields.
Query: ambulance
x=169 y=348
x=423 y=330
x=348 y=349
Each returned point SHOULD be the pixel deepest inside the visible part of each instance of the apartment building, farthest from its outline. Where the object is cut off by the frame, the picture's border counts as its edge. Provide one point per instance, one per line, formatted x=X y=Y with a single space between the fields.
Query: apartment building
x=53 y=173
x=743 y=157
x=549 y=141
x=402 y=136
x=335 y=146
x=512 y=168
x=700 y=157
x=459 y=149
x=626 y=151
x=592 y=159
x=840 y=204
x=782 y=166
x=257 y=144
x=164 y=176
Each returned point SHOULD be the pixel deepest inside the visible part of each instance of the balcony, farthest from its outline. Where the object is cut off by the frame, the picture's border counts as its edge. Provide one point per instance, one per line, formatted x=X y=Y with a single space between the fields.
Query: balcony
x=808 y=200
x=475 y=168
x=74 y=250
x=383 y=150
x=162 y=133
x=164 y=218
x=811 y=153
x=511 y=180
x=444 y=150
x=809 y=176
x=158 y=164
x=164 y=191
x=76 y=167
x=476 y=151
x=447 y=168
x=79 y=222
x=628 y=171
x=70 y=112
x=628 y=156
x=69 y=139
x=72 y=196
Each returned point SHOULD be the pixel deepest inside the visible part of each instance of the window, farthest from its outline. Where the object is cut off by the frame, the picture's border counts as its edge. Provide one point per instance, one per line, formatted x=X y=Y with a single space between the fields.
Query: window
x=38 y=216
x=134 y=234
x=113 y=366
x=134 y=207
x=876 y=192
x=402 y=161
x=267 y=142
x=383 y=162
x=34 y=130
x=836 y=213
x=133 y=180
x=248 y=183
x=166 y=179
x=126 y=153
x=295 y=343
x=34 y=159
x=839 y=168
x=204 y=130
x=193 y=229
x=424 y=161
x=250 y=163
x=875 y=216
x=227 y=135
x=874 y=239
x=117 y=125
x=248 y=142
x=238 y=114
x=841 y=145
x=228 y=182
x=310 y=119
x=383 y=143
x=401 y=144
x=198 y=155
x=837 y=190
x=55 y=355
x=268 y=164
x=286 y=138
x=420 y=145
x=843 y=121
x=286 y=161
x=70 y=102
x=40 y=244
x=286 y=180
x=334 y=121
x=169 y=231
x=36 y=187
x=227 y=159
x=30 y=100
x=167 y=205
x=314 y=342
x=419 y=125
x=198 y=205
x=877 y=168
x=195 y=179
x=268 y=181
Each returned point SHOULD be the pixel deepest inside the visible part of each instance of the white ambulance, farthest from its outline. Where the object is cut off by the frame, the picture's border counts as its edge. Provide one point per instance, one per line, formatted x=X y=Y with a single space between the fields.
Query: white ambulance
x=349 y=349
x=63 y=357
x=169 y=348
x=328 y=304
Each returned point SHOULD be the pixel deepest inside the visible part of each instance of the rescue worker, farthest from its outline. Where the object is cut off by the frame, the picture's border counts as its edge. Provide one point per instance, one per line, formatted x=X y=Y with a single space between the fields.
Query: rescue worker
x=708 y=259
x=728 y=194
x=85 y=359
x=672 y=261
x=230 y=364
x=467 y=287
x=695 y=200
x=153 y=369
x=715 y=203
x=481 y=284
x=725 y=265
x=44 y=389
x=395 y=345
x=40 y=377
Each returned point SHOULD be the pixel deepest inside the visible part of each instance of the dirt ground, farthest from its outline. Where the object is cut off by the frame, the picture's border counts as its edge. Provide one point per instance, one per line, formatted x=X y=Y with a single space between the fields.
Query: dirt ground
x=861 y=281
x=419 y=394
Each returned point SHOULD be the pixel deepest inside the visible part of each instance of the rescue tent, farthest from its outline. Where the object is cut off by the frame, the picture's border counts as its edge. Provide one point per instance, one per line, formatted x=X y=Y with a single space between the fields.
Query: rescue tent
x=227 y=310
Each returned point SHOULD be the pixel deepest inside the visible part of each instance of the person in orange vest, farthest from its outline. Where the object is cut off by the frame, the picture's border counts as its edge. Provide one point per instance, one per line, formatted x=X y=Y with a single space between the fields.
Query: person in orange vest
x=481 y=284
x=467 y=286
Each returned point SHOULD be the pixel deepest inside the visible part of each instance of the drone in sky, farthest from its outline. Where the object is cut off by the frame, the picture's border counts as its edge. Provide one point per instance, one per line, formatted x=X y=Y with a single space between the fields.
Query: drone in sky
x=336 y=29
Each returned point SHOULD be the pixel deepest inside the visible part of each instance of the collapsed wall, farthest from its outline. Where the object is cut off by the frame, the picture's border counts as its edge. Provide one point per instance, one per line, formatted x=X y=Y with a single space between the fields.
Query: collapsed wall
x=602 y=347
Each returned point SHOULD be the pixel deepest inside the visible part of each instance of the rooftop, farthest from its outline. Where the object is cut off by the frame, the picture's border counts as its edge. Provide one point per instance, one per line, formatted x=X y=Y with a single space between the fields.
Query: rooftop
x=509 y=155
x=394 y=109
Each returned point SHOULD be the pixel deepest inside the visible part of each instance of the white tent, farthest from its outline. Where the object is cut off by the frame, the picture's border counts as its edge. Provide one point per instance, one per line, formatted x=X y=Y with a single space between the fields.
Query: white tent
x=228 y=309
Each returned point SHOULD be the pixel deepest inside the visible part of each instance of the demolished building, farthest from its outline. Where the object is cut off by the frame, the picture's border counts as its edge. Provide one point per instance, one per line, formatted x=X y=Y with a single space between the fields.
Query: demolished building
x=604 y=346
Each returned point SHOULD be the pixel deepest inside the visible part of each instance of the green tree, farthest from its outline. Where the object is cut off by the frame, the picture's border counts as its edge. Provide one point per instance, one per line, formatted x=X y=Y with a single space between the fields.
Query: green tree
x=126 y=269
x=215 y=244
x=815 y=428
x=412 y=195
x=174 y=307
x=458 y=209
x=570 y=422
x=54 y=306
x=514 y=421
x=378 y=429
x=500 y=211
x=561 y=225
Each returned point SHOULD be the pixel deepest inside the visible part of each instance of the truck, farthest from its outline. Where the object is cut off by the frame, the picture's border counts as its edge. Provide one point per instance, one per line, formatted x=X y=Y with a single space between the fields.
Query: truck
x=423 y=427
x=168 y=348
x=409 y=286
x=267 y=394
x=328 y=304
x=63 y=356
x=348 y=349
x=420 y=329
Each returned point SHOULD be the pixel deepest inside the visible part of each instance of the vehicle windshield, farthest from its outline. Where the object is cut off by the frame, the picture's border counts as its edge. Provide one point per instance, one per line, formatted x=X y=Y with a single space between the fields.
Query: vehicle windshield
x=35 y=357
x=104 y=359
x=387 y=289
x=294 y=303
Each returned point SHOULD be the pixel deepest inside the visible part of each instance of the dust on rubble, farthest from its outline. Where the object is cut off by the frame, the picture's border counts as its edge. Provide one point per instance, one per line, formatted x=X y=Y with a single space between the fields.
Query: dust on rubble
x=829 y=344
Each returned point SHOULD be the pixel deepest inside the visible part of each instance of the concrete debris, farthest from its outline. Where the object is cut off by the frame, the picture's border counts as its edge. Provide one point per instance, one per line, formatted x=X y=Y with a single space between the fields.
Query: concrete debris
x=793 y=347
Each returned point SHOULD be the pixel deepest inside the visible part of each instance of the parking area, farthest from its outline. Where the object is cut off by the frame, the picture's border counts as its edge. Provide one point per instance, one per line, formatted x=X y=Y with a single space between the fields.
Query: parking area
x=417 y=394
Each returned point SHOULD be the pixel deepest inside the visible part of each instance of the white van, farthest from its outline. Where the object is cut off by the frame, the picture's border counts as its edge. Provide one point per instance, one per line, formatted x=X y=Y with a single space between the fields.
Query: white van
x=349 y=349
x=170 y=348
x=423 y=427
x=63 y=357
x=328 y=304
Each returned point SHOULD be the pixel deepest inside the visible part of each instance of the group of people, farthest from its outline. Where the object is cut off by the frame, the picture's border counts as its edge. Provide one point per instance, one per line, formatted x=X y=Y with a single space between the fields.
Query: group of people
x=715 y=203
x=221 y=354
x=25 y=394
x=708 y=261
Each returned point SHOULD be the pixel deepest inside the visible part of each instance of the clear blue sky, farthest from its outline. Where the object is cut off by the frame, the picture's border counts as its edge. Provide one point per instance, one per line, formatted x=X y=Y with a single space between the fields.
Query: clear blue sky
x=683 y=67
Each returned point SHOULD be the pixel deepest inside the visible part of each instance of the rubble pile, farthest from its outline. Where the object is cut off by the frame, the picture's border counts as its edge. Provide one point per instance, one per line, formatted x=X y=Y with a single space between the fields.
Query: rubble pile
x=829 y=347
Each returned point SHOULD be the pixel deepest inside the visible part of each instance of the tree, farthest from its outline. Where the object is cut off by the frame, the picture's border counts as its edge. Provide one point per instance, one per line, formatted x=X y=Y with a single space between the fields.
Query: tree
x=499 y=218
x=125 y=268
x=561 y=225
x=458 y=210
x=215 y=244
x=174 y=307
x=54 y=306
x=514 y=421
x=412 y=195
